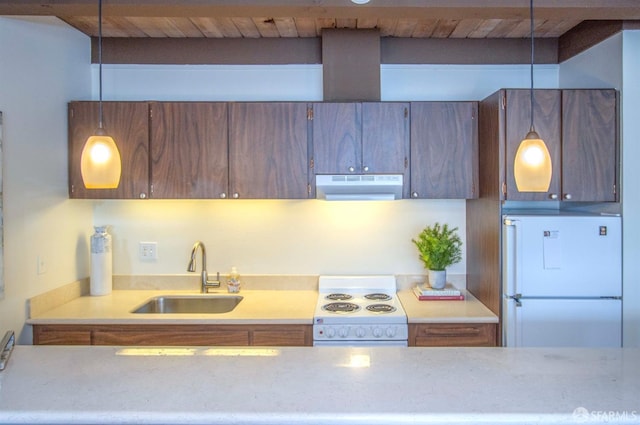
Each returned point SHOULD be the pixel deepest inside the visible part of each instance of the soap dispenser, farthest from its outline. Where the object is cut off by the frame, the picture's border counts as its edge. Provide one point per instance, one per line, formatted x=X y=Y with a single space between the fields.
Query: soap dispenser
x=233 y=281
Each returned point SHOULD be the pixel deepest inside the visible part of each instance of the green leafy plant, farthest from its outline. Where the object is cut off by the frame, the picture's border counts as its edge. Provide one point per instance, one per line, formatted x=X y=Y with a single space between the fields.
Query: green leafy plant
x=439 y=247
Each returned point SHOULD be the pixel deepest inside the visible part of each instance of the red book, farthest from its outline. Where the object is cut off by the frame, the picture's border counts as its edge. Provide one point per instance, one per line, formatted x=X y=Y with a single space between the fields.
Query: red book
x=421 y=297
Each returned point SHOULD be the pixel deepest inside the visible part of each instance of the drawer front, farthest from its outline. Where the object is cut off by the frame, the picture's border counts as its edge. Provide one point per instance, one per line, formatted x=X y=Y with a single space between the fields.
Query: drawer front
x=453 y=335
x=150 y=338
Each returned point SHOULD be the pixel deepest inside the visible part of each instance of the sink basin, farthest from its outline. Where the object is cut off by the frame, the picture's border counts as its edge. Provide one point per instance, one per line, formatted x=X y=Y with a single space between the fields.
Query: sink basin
x=189 y=304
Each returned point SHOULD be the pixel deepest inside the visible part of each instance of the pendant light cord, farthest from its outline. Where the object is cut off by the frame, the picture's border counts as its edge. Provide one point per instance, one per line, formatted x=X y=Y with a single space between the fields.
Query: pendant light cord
x=100 y=62
x=532 y=59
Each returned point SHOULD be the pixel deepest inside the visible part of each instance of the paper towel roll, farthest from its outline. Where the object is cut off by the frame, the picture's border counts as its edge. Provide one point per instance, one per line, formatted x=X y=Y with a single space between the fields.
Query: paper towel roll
x=101 y=281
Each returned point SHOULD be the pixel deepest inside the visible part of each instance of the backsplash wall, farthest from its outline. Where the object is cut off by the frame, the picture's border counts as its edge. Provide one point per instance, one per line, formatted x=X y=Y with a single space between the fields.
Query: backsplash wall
x=276 y=236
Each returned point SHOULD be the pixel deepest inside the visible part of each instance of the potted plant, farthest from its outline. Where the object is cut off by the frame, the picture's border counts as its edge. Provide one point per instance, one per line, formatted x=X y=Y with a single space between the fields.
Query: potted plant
x=439 y=247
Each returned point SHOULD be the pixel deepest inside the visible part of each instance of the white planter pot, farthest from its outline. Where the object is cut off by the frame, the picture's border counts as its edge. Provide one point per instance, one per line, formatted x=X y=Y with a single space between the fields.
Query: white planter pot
x=437 y=278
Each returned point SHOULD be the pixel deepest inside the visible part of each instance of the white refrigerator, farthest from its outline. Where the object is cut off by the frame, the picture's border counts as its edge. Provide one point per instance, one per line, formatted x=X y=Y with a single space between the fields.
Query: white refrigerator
x=562 y=280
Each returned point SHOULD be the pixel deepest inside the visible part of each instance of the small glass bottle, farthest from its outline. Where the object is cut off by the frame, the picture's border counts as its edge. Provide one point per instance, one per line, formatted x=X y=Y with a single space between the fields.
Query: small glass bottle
x=233 y=281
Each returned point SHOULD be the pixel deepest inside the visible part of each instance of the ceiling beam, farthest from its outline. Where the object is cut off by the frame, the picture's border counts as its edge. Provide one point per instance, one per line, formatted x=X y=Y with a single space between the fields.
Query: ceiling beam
x=392 y=9
x=254 y=51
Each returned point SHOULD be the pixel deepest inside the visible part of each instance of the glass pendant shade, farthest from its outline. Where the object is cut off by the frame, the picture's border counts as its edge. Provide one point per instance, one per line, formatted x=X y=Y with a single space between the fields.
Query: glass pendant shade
x=100 y=163
x=532 y=165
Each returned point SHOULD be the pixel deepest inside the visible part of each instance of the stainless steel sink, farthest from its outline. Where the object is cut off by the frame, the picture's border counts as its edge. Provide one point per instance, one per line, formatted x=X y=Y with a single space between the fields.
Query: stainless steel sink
x=189 y=304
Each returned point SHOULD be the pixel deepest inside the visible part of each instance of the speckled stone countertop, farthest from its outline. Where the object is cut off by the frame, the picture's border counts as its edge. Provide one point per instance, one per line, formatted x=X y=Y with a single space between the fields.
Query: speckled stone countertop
x=320 y=385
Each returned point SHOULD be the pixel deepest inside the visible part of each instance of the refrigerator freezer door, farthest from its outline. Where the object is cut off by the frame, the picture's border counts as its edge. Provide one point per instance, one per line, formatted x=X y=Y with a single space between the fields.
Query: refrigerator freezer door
x=562 y=323
x=562 y=256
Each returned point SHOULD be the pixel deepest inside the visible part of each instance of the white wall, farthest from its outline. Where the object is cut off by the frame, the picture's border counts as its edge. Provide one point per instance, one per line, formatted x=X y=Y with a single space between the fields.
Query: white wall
x=615 y=63
x=630 y=185
x=43 y=64
x=289 y=237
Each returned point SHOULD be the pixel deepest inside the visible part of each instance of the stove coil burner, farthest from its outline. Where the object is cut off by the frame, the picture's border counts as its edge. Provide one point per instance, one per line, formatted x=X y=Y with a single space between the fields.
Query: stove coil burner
x=378 y=297
x=341 y=307
x=381 y=308
x=338 y=297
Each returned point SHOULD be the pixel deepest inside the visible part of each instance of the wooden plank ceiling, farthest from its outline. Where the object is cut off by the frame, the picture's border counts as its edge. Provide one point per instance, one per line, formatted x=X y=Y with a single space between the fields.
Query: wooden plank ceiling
x=307 y=18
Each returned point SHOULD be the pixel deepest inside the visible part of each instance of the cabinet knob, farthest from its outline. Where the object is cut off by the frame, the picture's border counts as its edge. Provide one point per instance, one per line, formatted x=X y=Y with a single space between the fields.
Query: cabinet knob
x=414 y=194
x=567 y=196
x=143 y=195
x=553 y=196
x=351 y=169
x=365 y=168
x=236 y=195
x=223 y=195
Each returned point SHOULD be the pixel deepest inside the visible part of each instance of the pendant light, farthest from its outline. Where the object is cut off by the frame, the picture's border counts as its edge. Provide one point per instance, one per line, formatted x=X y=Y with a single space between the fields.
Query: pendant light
x=100 y=163
x=532 y=166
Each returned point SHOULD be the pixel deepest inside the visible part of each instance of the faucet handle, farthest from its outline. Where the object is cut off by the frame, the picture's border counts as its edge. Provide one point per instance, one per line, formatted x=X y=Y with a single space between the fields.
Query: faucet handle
x=206 y=285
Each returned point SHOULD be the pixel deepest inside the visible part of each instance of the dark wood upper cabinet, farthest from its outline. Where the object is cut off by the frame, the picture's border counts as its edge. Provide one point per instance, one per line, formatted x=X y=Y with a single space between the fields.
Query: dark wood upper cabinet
x=444 y=150
x=127 y=123
x=268 y=150
x=361 y=138
x=589 y=145
x=337 y=140
x=189 y=150
x=517 y=122
x=579 y=128
x=385 y=138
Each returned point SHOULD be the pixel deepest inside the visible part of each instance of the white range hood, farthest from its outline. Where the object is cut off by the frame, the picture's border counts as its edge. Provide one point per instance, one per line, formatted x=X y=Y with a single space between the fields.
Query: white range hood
x=359 y=187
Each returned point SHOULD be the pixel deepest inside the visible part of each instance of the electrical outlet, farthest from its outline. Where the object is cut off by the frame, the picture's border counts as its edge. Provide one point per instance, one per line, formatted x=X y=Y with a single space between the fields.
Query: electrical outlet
x=148 y=251
x=42 y=265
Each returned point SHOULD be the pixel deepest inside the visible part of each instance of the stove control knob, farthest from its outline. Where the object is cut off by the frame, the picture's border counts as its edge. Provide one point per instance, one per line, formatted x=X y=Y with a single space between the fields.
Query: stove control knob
x=343 y=332
x=360 y=332
x=330 y=332
x=377 y=332
x=391 y=332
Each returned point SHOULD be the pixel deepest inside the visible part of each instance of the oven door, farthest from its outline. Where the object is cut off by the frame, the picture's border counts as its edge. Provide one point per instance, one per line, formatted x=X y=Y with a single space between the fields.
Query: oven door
x=360 y=343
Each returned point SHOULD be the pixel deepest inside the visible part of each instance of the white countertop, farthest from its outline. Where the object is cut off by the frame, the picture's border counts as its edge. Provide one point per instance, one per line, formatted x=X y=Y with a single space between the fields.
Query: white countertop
x=257 y=306
x=283 y=306
x=320 y=385
x=469 y=310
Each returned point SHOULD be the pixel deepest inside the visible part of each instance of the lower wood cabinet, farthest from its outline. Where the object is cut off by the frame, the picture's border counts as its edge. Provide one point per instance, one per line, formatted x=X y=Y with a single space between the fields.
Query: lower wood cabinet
x=453 y=334
x=172 y=335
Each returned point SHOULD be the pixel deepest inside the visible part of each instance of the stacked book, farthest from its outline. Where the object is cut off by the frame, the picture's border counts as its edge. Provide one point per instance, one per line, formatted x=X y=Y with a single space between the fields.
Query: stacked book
x=424 y=292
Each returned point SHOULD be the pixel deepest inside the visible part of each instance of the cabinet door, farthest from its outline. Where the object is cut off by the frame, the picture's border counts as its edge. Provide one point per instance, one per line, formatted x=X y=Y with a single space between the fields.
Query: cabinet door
x=282 y=335
x=589 y=145
x=189 y=150
x=128 y=124
x=444 y=150
x=337 y=147
x=385 y=138
x=268 y=151
x=547 y=124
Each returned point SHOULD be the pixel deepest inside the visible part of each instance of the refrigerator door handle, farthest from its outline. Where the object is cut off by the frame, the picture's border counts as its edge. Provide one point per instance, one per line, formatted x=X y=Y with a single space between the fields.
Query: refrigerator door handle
x=516 y=298
x=512 y=263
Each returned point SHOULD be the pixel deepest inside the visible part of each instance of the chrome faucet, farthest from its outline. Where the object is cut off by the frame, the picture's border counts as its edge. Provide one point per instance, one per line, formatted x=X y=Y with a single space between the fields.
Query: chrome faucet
x=204 y=279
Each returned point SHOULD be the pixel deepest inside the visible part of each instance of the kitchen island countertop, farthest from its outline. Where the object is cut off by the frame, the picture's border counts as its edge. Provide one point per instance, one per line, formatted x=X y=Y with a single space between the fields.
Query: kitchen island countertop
x=323 y=385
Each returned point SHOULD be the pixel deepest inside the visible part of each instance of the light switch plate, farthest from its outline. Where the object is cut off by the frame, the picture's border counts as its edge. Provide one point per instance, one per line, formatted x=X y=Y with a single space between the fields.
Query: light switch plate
x=148 y=251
